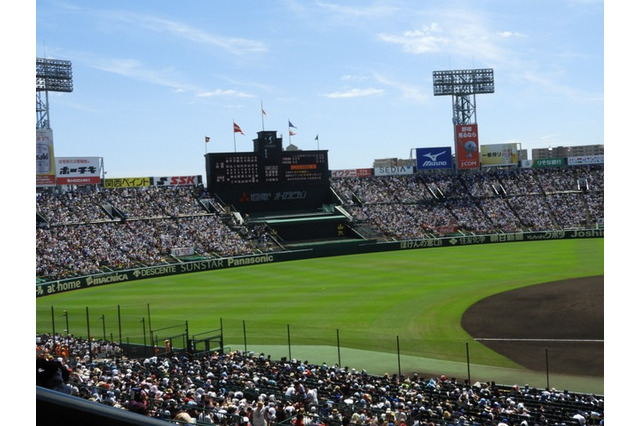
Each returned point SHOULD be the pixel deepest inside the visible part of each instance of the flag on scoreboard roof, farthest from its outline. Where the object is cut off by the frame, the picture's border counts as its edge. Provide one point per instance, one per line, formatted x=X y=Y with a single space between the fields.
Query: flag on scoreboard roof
x=237 y=129
x=291 y=133
x=207 y=139
x=291 y=125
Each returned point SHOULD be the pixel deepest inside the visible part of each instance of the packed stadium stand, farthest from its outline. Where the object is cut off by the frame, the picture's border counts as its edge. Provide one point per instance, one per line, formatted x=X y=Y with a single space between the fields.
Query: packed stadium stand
x=88 y=230
x=237 y=388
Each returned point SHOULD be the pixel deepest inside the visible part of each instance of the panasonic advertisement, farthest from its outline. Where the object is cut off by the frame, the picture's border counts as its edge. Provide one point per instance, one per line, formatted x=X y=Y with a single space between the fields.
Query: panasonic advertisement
x=433 y=158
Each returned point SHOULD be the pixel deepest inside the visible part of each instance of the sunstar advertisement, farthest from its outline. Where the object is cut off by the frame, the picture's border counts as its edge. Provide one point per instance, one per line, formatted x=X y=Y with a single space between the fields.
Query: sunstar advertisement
x=467 y=146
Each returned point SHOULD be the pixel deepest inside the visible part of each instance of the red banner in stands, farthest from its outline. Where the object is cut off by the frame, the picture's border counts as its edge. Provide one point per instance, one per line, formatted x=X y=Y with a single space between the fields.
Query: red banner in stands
x=467 y=146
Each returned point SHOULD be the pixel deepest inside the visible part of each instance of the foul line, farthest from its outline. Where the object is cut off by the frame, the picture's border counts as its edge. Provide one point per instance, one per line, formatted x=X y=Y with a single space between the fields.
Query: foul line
x=541 y=340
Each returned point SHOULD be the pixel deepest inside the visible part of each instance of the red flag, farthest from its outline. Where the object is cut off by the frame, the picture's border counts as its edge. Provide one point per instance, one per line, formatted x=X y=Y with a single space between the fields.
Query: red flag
x=291 y=133
x=264 y=112
x=237 y=129
x=207 y=138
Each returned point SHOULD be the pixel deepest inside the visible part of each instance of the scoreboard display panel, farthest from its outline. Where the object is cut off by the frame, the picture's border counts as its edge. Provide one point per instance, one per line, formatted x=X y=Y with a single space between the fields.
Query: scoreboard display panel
x=304 y=166
x=232 y=169
x=269 y=178
x=247 y=168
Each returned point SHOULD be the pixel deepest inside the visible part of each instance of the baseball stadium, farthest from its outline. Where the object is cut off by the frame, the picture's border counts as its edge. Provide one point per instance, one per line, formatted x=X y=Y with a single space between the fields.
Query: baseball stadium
x=464 y=286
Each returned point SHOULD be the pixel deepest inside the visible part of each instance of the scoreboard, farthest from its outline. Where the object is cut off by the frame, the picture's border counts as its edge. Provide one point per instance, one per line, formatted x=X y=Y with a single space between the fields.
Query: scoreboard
x=248 y=168
x=234 y=169
x=269 y=178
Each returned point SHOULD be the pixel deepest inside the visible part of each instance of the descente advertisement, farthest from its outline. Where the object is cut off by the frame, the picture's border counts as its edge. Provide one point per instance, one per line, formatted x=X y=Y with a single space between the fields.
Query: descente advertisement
x=336 y=249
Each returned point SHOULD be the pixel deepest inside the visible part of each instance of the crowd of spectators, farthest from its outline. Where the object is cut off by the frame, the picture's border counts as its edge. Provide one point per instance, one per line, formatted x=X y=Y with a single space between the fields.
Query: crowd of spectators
x=248 y=389
x=80 y=235
x=488 y=201
x=91 y=230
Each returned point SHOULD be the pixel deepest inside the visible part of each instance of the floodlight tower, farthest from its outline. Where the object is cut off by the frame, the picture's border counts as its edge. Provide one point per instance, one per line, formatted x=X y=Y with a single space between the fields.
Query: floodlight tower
x=52 y=75
x=462 y=86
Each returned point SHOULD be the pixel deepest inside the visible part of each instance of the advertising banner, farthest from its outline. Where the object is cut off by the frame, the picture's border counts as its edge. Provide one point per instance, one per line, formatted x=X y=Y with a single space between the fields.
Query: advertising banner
x=548 y=162
x=433 y=158
x=176 y=180
x=351 y=173
x=467 y=146
x=393 y=171
x=135 y=182
x=586 y=159
x=503 y=154
x=114 y=277
x=183 y=251
x=78 y=170
x=45 y=169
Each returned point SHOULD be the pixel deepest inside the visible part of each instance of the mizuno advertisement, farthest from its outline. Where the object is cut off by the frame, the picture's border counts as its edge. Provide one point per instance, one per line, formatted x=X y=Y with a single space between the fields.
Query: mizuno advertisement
x=433 y=158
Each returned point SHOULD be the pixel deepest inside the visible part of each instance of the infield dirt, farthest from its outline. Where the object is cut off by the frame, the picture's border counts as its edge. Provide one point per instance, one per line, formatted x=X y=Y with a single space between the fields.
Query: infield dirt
x=557 y=325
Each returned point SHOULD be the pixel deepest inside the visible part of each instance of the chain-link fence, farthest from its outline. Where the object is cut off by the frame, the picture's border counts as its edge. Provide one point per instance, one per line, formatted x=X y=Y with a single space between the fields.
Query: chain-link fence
x=376 y=349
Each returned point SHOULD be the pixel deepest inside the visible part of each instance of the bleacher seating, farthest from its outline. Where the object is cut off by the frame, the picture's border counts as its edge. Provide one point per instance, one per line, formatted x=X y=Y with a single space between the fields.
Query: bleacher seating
x=89 y=230
x=217 y=388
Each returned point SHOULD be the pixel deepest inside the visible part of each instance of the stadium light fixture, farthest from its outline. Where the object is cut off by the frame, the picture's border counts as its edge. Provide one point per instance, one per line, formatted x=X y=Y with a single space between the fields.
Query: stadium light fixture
x=462 y=86
x=52 y=75
x=463 y=82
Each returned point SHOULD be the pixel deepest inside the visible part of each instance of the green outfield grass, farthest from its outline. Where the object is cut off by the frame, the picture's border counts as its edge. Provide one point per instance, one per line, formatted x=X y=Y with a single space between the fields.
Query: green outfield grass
x=407 y=301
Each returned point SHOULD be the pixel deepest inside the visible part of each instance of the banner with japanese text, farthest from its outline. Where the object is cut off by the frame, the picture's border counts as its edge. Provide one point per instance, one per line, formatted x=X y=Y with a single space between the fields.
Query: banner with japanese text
x=78 y=170
x=585 y=159
x=467 y=146
x=502 y=154
x=351 y=173
x=134 y=182
x=45 y=169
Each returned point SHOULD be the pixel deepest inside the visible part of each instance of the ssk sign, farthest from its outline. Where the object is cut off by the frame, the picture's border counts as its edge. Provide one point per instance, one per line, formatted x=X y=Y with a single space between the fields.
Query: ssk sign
x=177 y=180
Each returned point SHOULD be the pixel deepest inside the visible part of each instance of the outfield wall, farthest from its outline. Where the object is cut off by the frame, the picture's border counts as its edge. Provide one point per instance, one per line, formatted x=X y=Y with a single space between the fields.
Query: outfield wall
x=312 y=251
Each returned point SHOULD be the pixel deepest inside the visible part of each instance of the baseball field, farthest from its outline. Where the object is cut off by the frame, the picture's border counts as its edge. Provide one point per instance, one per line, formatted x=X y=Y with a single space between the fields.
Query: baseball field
x=515 y=313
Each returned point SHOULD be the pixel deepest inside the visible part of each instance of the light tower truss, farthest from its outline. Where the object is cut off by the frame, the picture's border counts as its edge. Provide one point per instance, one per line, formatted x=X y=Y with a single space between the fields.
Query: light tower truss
x=462 y=86
x=52 y=75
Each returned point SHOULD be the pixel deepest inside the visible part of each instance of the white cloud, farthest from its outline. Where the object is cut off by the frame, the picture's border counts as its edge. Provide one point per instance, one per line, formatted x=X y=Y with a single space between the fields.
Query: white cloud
x=511 y=34
x=373 y=11
x=423 y=40
x=355 y=93
x=232 y=44
x=134 y=69
x=351 y=77
x=227 y=92
x=179 y=29
x=463 y=33
x=416 y=93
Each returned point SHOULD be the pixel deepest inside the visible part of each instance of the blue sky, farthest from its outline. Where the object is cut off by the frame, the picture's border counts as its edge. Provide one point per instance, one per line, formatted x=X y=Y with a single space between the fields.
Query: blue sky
x=153 y=78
